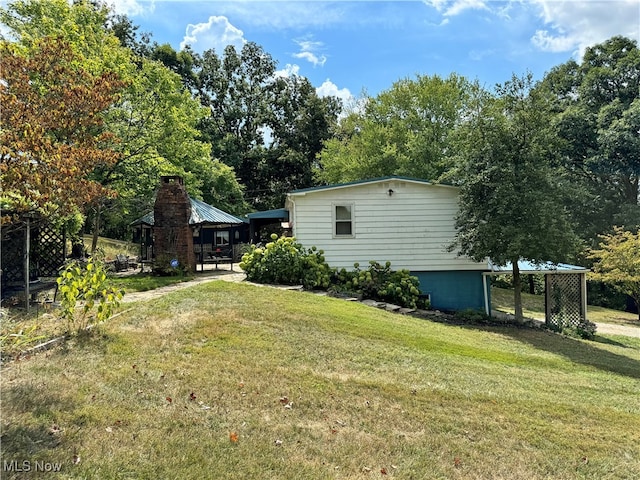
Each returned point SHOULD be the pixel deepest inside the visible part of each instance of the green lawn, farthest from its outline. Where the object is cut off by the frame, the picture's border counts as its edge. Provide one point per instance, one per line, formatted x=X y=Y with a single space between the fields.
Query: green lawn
x=232 y=381
x=112 y=247
x=533 y=307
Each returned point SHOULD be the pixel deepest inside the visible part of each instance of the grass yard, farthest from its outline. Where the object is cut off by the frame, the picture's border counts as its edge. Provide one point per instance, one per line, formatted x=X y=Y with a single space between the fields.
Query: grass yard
x=533 y=307
x=112 y=247
x=230 y=381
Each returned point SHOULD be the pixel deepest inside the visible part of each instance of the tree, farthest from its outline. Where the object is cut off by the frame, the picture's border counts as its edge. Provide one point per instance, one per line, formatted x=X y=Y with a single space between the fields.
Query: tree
x=403 y=131
x=617 y=262
x=509 y=201
x=155 y=118
x=597 y=106
x=52 y=135
x=268 y=128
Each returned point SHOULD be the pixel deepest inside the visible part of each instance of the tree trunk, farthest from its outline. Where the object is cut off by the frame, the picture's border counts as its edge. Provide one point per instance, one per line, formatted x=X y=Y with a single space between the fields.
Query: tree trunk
x=96 y=229
x=517 y=293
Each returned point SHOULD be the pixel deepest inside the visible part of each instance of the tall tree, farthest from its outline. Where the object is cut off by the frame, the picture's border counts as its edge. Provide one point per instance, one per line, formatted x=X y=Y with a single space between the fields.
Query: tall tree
x=403 y=131
x=509 y=200
x=597 y=105
x=52 y=135
x=268 y=129
x=155 y=118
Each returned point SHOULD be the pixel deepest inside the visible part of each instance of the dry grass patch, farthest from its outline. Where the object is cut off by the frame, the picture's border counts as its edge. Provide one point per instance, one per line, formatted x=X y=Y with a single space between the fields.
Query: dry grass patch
x=236 y=381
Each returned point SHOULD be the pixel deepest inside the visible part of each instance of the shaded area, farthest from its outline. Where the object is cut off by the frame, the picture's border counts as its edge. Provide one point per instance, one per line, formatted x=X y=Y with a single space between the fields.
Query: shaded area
x=578 y=351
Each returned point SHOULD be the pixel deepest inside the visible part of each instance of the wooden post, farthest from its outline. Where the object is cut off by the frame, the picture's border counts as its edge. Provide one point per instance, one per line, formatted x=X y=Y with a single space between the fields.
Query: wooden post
x=27 y=242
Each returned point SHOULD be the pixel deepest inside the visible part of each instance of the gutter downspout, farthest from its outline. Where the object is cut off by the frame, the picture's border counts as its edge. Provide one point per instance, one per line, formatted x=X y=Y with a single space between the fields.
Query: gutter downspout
x=487 y=308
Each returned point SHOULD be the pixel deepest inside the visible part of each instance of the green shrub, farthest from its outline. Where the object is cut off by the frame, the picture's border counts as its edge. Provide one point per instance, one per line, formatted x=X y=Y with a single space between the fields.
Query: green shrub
x=86 y=285
x=380 y=283
x=284 y=261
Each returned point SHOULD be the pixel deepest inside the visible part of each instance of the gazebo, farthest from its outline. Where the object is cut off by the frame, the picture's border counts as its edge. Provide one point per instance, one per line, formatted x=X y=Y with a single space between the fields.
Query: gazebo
x=211 y=234
x=565 y=289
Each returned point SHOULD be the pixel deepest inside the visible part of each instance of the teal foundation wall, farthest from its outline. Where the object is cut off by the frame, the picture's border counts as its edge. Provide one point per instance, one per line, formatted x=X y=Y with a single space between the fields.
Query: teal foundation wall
x=454 y=290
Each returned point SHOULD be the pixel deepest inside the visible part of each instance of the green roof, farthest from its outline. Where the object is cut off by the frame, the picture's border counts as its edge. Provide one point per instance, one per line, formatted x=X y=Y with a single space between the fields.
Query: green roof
x=201 y=213
x=277 y=214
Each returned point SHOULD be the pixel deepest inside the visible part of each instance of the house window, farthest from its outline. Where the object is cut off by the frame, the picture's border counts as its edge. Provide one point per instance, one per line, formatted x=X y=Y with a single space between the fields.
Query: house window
x=222 y=238
x=343 y=220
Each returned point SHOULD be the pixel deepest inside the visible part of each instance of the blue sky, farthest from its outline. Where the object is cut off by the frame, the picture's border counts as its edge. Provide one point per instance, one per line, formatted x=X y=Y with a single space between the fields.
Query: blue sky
x=345 y=47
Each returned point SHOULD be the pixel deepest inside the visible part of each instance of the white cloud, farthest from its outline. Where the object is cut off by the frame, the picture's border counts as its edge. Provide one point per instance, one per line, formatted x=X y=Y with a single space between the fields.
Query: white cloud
x=308 y=51
x=451 y=8
x=311 y=58
x=279 y=15
x=330 y=89
x=575 y=25
x=290 y=70
x=549 y=43
x=132 y=8
x=217 y=33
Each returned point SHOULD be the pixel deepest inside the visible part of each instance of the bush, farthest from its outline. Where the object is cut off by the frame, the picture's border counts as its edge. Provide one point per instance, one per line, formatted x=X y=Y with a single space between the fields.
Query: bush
x=87 y=285
x=379 y=283
x=284 y=261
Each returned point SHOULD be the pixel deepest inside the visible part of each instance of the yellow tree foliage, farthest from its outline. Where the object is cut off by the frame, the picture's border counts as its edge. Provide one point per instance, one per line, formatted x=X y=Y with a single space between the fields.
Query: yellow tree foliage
x=52 y=136
x=618 y=262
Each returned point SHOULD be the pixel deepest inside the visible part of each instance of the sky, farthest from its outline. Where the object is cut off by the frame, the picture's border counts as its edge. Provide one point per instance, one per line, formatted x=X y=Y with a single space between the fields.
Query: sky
x=346 y=48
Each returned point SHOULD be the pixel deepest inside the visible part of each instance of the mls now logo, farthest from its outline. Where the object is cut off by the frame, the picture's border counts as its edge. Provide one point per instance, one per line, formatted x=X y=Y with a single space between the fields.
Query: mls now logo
x=29 y=466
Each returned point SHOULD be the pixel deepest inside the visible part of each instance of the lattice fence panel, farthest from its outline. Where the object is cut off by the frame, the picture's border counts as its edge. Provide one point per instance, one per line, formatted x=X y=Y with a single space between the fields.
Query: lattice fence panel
x=12 y=258
x=47 y=255
x=564 y=300
x=48 y=246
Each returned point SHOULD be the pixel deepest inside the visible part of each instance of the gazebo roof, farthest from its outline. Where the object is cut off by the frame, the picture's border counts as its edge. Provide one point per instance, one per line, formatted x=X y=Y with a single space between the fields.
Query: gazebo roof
x=201 y=214
x=530 y=267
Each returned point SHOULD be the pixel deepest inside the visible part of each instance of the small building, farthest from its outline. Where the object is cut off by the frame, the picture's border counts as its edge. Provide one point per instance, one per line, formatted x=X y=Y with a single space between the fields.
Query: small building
x=189 y=229
x=406 y=221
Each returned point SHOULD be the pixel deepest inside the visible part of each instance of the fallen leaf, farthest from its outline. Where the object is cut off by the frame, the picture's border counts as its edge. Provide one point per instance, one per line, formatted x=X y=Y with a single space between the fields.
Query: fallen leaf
x=284 y=399
x=457 y=462
x=169 y=399
x=383 y=471
x=192 y=396
x=233 y=436
x=55 y=430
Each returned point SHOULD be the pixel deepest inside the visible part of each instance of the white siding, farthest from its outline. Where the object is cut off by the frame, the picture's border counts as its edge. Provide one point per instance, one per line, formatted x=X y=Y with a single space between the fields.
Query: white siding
x=411 y=228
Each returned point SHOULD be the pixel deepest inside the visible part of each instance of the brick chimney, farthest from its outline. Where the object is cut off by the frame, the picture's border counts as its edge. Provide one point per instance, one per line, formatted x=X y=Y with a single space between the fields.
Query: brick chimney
x=173 y=236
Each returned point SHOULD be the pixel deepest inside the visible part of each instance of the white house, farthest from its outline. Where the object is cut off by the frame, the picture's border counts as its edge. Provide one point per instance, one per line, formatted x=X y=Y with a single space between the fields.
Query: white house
x=408 y=222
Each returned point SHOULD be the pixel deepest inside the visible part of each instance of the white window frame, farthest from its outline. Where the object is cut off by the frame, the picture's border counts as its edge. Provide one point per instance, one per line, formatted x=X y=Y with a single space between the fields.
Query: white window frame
x=334 y=220
x=220 y=232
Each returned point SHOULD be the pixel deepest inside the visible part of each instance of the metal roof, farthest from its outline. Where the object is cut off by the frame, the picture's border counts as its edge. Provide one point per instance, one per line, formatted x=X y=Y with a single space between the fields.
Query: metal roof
x=304 y=191
x=530 y=267
x=277 y=214
x=201 y=213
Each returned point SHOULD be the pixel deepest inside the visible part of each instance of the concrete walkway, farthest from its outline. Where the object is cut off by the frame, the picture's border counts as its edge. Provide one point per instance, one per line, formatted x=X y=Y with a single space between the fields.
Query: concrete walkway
x=222 y=273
